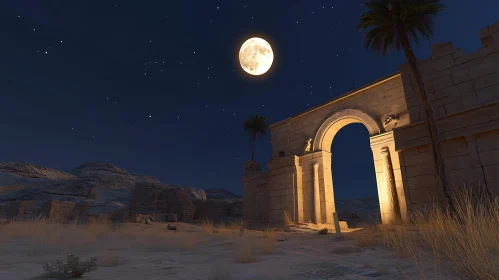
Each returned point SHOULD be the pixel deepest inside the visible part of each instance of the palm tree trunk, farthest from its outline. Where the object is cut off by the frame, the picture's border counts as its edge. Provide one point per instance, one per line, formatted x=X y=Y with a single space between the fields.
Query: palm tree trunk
x=253 y=147
x=430 y=121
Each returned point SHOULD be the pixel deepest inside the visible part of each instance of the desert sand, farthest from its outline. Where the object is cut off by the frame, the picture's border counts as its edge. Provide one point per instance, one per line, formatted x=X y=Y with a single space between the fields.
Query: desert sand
x=140 y=251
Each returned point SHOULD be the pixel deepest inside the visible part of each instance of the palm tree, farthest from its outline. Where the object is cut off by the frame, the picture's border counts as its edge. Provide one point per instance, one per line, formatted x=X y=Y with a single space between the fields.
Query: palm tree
x=395 y=24
x=256 y=126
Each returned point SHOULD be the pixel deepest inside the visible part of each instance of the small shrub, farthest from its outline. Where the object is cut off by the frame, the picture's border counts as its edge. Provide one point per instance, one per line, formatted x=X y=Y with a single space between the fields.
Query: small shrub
x=323 y=231
x=73 y=266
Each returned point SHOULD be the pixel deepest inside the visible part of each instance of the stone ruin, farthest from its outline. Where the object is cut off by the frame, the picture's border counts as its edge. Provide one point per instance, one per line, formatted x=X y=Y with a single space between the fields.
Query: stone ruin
x=463 y=90
x=150 y=199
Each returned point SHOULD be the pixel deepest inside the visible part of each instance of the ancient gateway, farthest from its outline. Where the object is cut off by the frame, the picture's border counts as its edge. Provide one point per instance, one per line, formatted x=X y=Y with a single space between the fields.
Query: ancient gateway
x=464 y=92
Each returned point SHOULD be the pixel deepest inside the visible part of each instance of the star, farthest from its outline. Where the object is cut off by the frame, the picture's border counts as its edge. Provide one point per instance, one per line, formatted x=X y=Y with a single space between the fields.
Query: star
x=150 y=116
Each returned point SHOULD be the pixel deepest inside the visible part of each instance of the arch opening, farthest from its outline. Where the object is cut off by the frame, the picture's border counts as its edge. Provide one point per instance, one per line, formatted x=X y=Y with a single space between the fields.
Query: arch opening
x=325 y=135
x=353 y=176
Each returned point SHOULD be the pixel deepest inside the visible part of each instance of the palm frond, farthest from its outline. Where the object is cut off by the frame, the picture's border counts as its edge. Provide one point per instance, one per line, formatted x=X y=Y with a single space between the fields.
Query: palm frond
x=256 y=125
x=388 y=22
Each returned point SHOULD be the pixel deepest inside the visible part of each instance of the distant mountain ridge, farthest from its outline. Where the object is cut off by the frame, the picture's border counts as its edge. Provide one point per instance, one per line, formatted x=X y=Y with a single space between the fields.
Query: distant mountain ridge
x=219 y=193
x=104 y=186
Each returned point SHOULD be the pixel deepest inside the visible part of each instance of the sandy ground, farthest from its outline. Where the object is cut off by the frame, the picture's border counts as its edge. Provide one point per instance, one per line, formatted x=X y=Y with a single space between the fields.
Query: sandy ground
x=192 y=252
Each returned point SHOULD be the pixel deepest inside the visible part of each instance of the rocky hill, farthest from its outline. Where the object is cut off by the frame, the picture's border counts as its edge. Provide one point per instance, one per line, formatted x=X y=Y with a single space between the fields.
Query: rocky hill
x=221 y=194
x=103 y=187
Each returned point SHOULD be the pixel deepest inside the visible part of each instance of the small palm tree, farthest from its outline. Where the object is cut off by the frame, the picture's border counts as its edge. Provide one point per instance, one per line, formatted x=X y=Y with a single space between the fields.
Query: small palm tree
x=395 y=24
x=256 y=126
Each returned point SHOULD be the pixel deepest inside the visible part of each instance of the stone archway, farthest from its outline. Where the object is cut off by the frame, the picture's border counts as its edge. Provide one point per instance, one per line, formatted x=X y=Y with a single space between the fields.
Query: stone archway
x=329 y=128
x=323 y=191
x=298 y=184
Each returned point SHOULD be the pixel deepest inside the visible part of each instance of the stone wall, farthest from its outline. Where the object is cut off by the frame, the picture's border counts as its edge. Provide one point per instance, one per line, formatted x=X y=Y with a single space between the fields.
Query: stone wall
x=218 y=210
x=256 y=195
x=64 y=211
x=379 y=100
x=456 y=81
x=156 y=199
x=464 y=92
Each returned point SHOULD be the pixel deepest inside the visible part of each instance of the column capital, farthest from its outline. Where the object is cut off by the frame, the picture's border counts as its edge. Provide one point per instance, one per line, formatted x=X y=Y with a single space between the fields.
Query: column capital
x=385 y=151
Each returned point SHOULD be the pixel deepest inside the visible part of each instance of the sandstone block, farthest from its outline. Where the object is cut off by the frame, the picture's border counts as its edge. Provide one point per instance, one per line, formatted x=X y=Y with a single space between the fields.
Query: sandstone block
x=488 y=141
x=486 y=80
x=455 y=91
x=461 y=74
x=483 y=69
x=441 y=49
x=443 y=82
x=420 y=169
x=488 y=94
x=422 y=181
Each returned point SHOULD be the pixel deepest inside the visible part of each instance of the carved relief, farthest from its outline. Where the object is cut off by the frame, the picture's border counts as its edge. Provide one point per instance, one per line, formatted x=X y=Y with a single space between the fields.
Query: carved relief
x=308 y=146
x=391 y=121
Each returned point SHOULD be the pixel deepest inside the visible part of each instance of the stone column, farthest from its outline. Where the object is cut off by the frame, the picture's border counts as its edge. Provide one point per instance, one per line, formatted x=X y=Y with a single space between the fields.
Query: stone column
x=317 y=197
x=393 y=207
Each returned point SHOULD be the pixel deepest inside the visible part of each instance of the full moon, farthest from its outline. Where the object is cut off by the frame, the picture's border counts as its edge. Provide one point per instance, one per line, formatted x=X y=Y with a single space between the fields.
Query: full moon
x=256 y=56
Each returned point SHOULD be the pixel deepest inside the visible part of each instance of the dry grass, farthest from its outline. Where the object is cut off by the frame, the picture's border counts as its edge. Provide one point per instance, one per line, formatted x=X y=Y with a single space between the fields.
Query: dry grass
x=207 y=225
x=468 y=239
x=246 y=250
x=238 y=225
x=367 y=237
x=44 y=236
x=287 y=218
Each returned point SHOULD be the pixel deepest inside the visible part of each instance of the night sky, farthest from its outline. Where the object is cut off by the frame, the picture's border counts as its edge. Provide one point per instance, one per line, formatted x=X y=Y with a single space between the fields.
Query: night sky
x=155 y=86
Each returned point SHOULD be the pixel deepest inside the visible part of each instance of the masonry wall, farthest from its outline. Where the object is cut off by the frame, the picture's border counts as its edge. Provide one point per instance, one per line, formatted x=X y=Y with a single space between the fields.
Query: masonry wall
x=378 y=100
x=456 y=81
x=155 y=199
x=285 y=188
x=464 y=92
x=256 y=198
